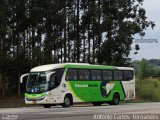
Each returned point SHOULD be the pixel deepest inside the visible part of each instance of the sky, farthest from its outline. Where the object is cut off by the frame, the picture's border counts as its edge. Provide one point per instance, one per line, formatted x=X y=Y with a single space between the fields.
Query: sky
x=149 y=50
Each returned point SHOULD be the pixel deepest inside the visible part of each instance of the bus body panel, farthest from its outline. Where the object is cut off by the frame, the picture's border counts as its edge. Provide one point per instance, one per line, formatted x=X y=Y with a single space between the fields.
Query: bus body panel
x=89 y=91
x=129 y=87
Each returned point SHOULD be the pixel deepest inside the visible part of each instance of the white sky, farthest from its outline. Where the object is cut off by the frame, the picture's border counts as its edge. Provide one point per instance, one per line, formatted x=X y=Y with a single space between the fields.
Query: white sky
x=150 y=50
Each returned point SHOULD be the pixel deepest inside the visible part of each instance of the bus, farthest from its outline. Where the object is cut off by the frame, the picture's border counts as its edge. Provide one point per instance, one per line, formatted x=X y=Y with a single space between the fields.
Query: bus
x=69 y=83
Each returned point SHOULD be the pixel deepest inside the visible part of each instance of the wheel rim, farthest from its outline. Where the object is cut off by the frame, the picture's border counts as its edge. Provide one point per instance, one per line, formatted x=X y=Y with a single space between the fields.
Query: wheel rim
x=67 y=101
x=116 y=99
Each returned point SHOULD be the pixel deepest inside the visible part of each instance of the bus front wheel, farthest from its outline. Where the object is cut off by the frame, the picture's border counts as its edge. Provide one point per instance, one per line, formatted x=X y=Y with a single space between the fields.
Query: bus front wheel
x=115 y=100
x=67 y=101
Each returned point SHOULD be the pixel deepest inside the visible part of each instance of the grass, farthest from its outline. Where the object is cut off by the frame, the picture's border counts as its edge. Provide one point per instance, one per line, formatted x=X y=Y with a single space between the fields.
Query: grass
x=148 y=90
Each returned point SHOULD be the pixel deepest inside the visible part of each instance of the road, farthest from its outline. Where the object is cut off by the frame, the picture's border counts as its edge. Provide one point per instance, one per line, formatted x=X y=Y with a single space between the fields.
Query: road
x=78 y=112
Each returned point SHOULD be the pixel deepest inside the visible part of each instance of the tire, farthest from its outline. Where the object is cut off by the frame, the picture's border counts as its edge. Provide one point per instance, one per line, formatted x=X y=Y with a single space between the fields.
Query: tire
x=97 y=103
x=46 y=106
x=67 y=101
x=115 y=100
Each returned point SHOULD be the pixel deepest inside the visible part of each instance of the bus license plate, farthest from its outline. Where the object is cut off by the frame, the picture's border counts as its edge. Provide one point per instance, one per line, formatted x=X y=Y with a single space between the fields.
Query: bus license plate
x=34 y=102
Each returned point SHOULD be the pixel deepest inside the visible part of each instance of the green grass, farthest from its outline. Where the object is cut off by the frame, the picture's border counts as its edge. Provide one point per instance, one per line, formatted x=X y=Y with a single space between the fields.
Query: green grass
x=148 y=90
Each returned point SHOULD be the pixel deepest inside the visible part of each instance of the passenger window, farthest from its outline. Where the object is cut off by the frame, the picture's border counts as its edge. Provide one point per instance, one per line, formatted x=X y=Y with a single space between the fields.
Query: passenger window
x=118 y=75
x=96 y=75
x=71 y=74
x=107 y=75
x=128 y=75
x=84 y=75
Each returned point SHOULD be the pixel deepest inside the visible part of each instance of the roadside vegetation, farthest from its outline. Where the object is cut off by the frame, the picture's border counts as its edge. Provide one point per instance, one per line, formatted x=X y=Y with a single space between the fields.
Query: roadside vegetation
x=147 y=80
x=148 y=90
x=14 y=101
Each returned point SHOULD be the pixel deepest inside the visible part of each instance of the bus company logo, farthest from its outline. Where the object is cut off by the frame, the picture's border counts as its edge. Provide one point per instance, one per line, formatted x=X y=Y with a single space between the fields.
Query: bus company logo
x=106 y=88
x=9 y=117
x=81 y=85
x=86 y=85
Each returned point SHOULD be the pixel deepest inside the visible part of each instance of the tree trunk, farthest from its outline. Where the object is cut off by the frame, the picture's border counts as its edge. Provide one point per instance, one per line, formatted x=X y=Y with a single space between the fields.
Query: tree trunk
x=68 y=41
x=77 y=34
x=84 y=49
x=74 y=42
x=99 y=30
x=93 y=51
x=3 y=85
x=19 y=84
x=65 y=39
x=89 y=45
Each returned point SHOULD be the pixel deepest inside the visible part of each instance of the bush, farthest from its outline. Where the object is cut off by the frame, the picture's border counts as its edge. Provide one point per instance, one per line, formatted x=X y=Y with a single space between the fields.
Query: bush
x=148 y=89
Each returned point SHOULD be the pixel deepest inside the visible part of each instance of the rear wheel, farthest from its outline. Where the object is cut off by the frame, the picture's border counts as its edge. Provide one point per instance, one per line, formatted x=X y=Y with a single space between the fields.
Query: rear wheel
x=97 y=103
x=46 y=106
x=67 y=101
x=115 y=100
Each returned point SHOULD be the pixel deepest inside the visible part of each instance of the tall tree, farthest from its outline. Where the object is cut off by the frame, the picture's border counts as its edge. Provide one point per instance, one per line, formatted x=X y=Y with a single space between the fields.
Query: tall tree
x=36 y=32
x=143 y=69
x=121 y=20
x=78 y=32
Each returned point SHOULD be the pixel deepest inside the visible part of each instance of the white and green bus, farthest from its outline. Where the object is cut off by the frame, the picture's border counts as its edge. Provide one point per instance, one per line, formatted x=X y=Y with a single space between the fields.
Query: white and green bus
x=69 y=83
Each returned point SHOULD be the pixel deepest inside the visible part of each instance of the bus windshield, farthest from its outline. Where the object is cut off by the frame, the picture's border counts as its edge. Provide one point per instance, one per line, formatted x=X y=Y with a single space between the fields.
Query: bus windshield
x=37 y=82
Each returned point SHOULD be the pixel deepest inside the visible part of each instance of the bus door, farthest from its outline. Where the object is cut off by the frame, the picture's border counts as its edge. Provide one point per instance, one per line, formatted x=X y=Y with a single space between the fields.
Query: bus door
x=52 y=87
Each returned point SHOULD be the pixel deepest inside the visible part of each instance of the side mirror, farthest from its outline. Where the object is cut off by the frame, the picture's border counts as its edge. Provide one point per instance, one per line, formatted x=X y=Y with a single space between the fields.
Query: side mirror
x=22 y=76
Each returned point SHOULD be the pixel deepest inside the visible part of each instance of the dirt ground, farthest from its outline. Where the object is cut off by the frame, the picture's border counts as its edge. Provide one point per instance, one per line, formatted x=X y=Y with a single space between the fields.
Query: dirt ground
x=12 y=101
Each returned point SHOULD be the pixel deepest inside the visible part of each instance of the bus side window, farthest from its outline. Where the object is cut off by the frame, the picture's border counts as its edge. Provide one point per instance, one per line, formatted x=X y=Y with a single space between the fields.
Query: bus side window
x=128 y=75
x=118 y=75
x=96 y=75
x=107 y=75
x=84 y=74
x=71 y=74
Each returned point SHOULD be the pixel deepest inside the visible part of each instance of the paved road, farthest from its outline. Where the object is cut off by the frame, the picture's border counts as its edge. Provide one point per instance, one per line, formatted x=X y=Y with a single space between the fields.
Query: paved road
x=79 y=112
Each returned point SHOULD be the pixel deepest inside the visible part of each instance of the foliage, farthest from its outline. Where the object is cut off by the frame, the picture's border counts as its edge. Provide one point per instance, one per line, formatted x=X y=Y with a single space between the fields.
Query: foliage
x=143 y=69
x=147 y=68
x=36 y=32
x=148 y=90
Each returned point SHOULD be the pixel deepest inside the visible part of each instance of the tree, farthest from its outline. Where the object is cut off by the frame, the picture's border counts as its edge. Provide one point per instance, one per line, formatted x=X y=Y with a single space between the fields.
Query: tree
x=92 y=31
x=4 y=42
x=143 y=69
x=121 y=20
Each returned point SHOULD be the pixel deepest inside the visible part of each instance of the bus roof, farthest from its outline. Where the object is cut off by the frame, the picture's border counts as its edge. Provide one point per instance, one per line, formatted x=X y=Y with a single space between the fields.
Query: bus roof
x=54 y=66
x=75 y=65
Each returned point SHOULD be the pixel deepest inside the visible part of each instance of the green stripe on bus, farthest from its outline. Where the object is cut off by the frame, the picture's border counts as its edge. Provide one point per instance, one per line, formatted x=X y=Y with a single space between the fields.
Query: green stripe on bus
x=35 y=95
